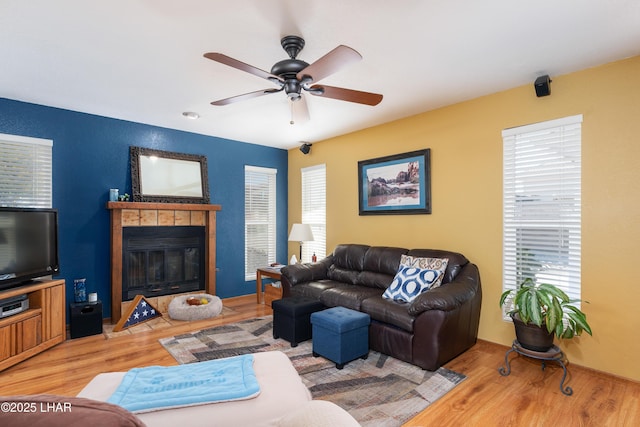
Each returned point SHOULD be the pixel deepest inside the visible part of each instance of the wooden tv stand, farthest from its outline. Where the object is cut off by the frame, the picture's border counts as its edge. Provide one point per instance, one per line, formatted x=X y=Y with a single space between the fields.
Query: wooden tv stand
x=40 y=327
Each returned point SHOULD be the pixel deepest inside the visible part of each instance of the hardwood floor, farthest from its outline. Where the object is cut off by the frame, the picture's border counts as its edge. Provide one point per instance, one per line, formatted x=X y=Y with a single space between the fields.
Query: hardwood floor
x=529 y=396
x=68 y=367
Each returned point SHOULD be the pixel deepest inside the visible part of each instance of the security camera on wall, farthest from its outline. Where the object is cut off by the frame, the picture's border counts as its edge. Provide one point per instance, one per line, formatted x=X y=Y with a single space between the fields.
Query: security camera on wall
x=305 y=148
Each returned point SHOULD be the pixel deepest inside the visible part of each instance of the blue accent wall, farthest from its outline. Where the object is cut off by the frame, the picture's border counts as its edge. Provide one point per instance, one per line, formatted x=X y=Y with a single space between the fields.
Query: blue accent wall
x=91 y=155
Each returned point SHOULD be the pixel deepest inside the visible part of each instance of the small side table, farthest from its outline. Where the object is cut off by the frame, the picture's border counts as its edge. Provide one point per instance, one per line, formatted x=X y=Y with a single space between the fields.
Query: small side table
x=272 y=272
x=554 y=354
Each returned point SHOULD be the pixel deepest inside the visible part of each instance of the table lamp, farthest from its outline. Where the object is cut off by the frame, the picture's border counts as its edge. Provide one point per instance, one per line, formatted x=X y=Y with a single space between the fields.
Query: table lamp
x=301 y=233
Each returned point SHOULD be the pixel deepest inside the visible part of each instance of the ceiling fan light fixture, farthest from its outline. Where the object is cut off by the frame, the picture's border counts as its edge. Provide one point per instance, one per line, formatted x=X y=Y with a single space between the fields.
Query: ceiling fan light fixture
x=292 y=88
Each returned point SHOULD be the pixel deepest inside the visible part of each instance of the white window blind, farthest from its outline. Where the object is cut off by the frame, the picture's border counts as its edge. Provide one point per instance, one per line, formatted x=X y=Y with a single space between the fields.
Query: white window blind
x=314 y=210
x=259 y=219
x=25 y=172
x=542 y=204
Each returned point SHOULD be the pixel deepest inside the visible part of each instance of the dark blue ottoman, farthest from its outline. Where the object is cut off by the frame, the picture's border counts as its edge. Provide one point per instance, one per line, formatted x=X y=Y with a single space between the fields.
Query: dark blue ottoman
x=340 y=334
x=291 y=318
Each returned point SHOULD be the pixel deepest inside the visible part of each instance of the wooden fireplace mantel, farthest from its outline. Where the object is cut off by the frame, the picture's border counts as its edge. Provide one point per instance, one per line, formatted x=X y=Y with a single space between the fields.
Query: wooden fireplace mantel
x=138 y=214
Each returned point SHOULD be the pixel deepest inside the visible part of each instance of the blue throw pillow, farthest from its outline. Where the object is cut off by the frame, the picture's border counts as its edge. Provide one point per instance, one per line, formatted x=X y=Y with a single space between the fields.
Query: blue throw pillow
x=410 y=281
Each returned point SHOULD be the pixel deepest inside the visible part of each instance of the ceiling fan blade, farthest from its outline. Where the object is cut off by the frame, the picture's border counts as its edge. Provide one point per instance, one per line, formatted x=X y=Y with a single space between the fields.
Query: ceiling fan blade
x=239 y=65
x=349 y=95
x=299 y=111
x=245 y=96
x=332 y=62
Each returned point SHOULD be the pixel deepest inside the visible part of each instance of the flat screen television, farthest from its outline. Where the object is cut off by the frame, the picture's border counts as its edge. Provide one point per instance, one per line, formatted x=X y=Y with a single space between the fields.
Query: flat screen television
x=28 y=245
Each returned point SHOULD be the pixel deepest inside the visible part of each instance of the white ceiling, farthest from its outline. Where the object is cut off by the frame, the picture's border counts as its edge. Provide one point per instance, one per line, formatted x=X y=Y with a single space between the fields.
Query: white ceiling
x=141 y=60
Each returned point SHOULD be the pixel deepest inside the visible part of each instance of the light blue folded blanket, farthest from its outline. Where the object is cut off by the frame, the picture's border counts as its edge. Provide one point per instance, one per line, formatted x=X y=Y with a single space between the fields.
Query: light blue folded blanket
x=164 y=387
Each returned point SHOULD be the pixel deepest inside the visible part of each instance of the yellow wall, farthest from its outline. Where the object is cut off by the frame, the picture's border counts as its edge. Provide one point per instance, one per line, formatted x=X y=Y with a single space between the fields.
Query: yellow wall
x=466 y=171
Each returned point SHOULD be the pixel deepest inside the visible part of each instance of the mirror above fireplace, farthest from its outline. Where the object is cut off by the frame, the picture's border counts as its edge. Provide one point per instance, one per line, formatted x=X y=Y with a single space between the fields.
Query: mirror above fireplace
x=168 y=177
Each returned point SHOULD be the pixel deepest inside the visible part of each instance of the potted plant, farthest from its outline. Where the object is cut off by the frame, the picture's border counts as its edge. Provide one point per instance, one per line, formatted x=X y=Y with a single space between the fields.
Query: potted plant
x=540 y=311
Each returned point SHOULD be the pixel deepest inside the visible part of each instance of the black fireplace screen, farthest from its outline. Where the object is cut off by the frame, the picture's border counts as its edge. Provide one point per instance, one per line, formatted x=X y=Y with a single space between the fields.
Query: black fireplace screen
x=162 y=260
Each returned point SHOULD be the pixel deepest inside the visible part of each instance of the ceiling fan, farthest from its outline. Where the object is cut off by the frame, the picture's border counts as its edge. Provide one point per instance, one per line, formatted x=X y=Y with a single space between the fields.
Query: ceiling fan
x=294 y=76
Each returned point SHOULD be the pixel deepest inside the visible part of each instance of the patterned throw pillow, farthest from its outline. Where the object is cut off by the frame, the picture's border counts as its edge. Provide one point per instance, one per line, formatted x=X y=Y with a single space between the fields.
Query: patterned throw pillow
x=415 y=276
x=432 y=263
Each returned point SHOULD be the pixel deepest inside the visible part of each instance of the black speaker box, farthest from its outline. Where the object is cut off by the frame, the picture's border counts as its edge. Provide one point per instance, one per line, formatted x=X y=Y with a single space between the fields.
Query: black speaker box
x=305 y=148
x=542 y=85
x=86 y=319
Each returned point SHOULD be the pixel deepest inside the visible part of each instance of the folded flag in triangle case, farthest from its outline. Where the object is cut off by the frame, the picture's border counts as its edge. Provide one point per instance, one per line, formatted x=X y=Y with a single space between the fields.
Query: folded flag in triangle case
x=139 y=311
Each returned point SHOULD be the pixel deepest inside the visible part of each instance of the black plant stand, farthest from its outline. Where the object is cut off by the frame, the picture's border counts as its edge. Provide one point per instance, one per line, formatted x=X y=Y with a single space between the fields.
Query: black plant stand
x=554 y=354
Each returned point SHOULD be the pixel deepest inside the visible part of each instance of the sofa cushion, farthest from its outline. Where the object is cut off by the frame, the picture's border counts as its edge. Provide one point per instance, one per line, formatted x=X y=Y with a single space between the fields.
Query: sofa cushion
x=318 y=413
x=343 y=275
x=371 y=279
x=382 y=259
x=349 y=257
x=389 y=312
x=314 y=289
x=281 y=389
x=349 y=296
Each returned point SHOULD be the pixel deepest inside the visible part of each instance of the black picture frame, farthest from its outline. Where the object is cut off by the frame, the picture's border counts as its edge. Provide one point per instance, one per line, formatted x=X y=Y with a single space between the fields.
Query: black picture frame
x=399 y=184
x=193 y=167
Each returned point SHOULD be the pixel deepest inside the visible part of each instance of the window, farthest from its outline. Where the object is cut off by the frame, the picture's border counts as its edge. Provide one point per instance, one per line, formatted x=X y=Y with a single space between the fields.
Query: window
x=314 y=210
x=259 y=219
x=542 y=204
x=25 y=172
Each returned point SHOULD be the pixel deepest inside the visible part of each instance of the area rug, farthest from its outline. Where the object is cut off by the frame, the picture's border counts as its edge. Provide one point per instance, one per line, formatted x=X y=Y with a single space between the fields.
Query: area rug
x=378 y=391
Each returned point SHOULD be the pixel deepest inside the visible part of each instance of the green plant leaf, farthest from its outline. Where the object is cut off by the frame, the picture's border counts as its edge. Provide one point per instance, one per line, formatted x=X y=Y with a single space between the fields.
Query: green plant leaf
x=522 y=303
x=504 y=296
x=544 y=300
x=554 y=317
x=568 y=334
x=554 y=291
x=534 y=307
x=579 y=318
x=528 y=282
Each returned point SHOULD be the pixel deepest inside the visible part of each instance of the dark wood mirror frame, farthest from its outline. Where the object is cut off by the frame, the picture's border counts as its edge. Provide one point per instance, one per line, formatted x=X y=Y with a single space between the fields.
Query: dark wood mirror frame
x=193 y=163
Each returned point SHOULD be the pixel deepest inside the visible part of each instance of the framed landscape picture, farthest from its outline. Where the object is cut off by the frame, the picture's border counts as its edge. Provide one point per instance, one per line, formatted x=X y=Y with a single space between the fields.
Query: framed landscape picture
x=397 y=184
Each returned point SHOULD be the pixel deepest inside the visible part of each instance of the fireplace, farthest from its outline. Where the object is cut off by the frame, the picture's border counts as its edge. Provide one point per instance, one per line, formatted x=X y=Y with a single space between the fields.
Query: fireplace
x=162 y=261
x=125 y=215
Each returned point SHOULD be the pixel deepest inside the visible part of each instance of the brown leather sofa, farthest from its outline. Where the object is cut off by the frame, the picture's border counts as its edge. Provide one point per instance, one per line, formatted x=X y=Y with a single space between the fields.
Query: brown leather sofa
x=438 y=325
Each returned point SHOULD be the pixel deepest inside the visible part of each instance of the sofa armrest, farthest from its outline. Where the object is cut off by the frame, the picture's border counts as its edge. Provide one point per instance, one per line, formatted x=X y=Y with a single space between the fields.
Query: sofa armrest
x=303 y=273
x=449 y=296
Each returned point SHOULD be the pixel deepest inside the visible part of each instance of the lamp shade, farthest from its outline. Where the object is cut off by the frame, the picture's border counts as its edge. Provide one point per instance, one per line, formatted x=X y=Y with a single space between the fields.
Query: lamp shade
x=300 y=233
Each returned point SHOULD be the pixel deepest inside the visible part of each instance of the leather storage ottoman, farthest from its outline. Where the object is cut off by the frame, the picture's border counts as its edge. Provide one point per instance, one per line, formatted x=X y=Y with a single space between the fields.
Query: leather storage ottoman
x=341 y=335
x=291 y=318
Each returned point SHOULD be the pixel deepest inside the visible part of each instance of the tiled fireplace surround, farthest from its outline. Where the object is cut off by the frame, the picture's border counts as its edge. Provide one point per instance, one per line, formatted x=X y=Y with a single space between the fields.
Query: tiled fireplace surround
x=135 y=214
